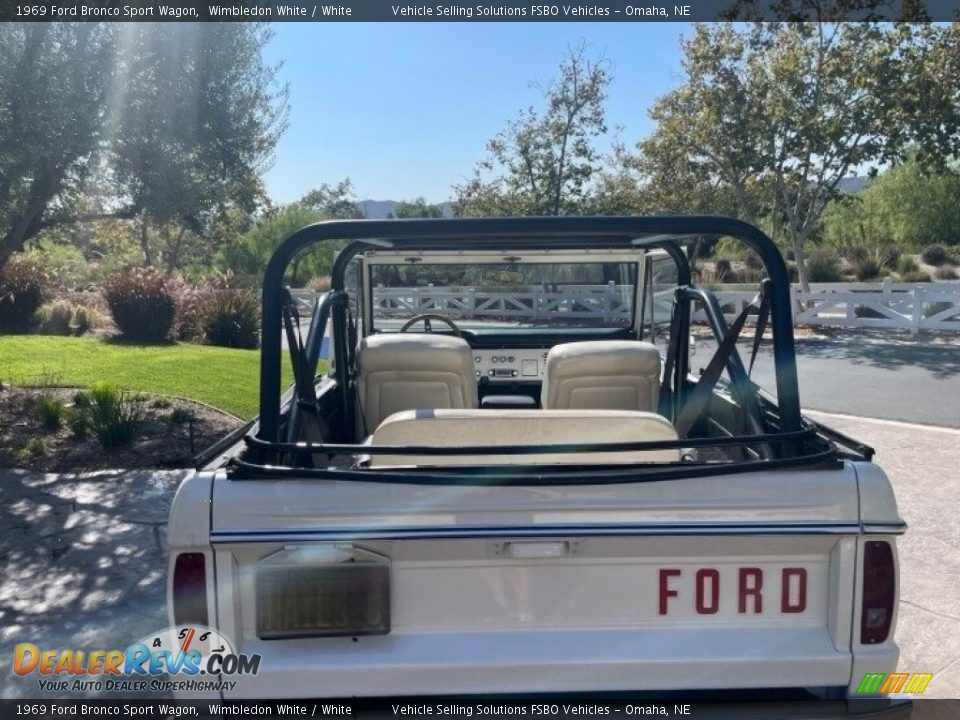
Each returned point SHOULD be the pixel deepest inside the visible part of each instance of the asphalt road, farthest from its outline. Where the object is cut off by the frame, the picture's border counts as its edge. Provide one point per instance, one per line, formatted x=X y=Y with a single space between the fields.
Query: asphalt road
x=886 y=376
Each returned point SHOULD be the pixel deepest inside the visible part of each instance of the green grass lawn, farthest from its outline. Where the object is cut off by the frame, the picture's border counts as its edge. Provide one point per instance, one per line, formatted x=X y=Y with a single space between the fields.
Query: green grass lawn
x=223 y=377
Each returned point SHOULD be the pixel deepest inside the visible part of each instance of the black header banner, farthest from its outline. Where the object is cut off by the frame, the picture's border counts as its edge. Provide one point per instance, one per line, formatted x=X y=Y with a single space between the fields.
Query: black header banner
x=476 y=10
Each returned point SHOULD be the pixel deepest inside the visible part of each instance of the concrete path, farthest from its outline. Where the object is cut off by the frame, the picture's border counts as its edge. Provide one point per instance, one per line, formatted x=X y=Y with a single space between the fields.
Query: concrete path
x=83 y=560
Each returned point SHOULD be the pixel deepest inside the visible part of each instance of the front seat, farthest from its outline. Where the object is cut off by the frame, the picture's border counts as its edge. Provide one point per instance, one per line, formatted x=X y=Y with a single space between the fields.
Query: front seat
x=401 y=371
x=602 y=375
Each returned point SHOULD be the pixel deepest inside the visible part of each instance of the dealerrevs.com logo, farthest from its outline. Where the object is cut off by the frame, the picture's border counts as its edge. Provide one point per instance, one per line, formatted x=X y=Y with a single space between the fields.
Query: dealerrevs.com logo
x=190 y=658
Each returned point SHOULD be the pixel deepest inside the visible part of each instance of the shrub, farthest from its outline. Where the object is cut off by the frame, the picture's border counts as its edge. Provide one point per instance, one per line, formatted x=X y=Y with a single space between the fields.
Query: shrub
x=867 y=269
x=319 y=284
x=915 y=276
x=231 y=318
x=23 y=288
x=181 y=416
x=856 y=254
x=823 y=266
x=945 y=272
x=935 y=255
x=79 y=422
x=753 y=261
x=50 y=411
x=906 y=264
x=161 y=403
x=723 y=269
x=790 y=254
x=114 y=420
x=32 y=450
x=55 y=318
x=86 y=319
x=82 y=399
x=142 y=304
x=890 y=256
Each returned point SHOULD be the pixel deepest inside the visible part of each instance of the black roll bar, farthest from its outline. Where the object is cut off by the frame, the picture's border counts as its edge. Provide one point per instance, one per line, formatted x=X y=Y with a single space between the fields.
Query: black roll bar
x=518 y=233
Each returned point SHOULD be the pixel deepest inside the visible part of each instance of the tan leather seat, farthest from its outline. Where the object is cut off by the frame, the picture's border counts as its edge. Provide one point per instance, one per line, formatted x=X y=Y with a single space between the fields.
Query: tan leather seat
x=407 y=371
x=603 y=374
x=490 y=428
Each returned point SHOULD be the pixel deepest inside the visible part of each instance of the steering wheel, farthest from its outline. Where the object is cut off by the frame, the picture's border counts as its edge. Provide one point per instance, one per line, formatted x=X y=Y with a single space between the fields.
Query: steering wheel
x=427 y=318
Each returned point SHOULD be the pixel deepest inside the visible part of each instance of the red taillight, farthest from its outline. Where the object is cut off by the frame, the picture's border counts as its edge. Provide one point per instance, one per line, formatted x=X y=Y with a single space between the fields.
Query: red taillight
x=190 y=589
x=879 y=588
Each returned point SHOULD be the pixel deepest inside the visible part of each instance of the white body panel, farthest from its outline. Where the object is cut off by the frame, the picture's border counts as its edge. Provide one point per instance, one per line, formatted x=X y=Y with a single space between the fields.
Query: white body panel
x=525 y=589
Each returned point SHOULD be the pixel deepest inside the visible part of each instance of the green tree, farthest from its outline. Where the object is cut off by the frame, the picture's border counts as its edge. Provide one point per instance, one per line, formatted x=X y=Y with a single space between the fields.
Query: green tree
x=780 y=113
x=53 y=89
x=171 y=124
x=416 y=208
x=249 y=255
x=910 y=205
x=544 y=161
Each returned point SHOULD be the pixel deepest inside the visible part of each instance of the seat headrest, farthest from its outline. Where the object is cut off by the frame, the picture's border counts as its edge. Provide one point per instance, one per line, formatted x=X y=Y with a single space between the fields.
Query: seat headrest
x=412 y=351
x=603 y=357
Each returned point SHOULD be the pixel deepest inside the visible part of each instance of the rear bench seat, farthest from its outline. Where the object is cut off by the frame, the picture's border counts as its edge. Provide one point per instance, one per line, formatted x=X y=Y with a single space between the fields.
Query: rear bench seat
x=445 y=428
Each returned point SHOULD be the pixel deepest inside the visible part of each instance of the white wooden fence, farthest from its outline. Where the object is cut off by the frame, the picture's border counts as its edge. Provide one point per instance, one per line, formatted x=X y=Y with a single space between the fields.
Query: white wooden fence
x=902 y=306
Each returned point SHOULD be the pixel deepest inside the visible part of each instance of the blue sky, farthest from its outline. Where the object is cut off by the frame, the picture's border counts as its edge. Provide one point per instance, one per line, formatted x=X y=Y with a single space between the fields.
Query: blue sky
x=405 y=109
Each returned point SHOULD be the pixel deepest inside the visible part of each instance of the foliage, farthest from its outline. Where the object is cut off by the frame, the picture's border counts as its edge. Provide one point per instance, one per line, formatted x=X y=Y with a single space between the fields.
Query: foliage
x=78 y=421
x=723 y=269
x=142 y=303
x=31 y=450
x=780 y=113
x=55 y=318
x=906 y=264
x=251 y=254
x=181 y=416
x=51 y=411
x=823 y=266
x=23 y=287
x=866 y=268
x=319 y=284
x=544 y=161
x=86 y=319
x=223 y=377
x=935 y=255
x=915 y=276
x=170 y=124
x=231 y=318
x=908 y=204
x=416 y=208
x=114 y=420
x=945 y=272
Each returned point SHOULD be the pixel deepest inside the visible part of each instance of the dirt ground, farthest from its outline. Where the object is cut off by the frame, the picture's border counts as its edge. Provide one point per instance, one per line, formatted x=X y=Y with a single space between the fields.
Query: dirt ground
x=172 y=432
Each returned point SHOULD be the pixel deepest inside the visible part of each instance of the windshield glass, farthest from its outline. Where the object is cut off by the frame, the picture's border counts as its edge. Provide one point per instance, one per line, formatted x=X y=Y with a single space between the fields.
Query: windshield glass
x=506 y=295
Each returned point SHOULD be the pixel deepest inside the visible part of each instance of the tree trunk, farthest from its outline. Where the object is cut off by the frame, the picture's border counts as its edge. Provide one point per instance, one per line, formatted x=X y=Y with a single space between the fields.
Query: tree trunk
x=148 y=256
x=801 y=261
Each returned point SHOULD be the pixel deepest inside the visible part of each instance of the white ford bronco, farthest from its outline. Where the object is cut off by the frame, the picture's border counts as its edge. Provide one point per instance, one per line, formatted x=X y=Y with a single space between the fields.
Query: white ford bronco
x=509 y=479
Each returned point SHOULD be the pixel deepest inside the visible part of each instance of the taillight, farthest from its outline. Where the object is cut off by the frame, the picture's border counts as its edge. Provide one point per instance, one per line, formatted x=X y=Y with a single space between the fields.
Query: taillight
x=879 y=588
x=299 y=595
x=190 y=589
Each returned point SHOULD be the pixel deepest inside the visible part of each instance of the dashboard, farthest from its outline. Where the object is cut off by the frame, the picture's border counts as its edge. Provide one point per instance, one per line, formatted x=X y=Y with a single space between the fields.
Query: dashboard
x=509 y=365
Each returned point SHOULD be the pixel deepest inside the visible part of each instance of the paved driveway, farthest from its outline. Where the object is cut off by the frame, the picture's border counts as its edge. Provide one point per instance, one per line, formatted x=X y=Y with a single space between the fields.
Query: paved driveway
x=856 y=373
x=83 y=561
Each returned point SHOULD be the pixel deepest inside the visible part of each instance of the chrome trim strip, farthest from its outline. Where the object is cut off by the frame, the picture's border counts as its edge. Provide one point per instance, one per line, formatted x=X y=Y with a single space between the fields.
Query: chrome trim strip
x=423 y=533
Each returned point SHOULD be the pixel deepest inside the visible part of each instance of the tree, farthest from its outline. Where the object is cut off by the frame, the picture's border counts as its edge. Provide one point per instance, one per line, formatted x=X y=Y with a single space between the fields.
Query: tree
x=909 y=205
x=170 y=124
x=333 y=202
x=543 y=162
x=52 y=97
x=250 y=254
x=416 y=208
x=782 y=112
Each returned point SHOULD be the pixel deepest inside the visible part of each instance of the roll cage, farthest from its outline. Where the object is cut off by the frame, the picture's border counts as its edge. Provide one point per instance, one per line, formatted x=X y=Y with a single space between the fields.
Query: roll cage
x=777 y=433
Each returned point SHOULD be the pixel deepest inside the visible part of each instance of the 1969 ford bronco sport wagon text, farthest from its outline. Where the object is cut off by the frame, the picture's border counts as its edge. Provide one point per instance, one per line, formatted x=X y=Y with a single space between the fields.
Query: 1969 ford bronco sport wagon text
x=504 y=476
